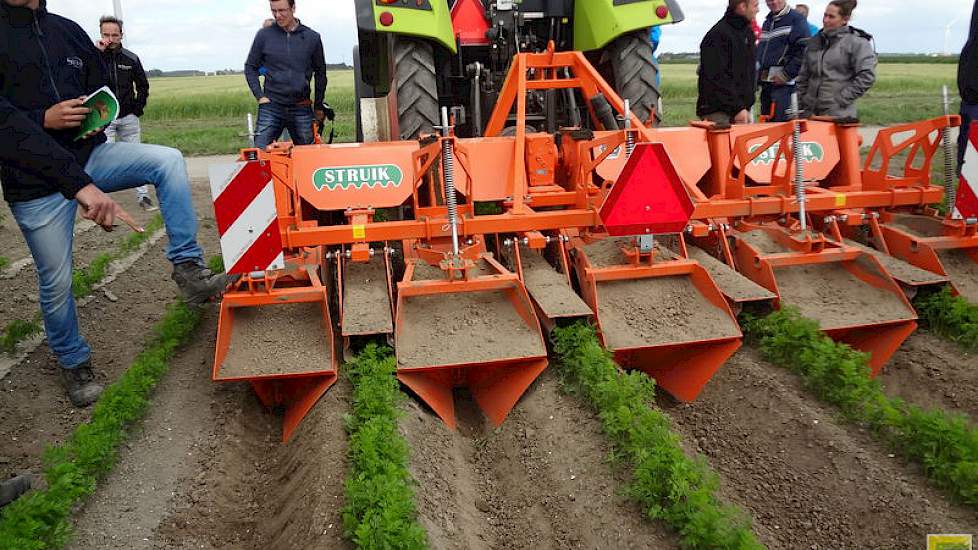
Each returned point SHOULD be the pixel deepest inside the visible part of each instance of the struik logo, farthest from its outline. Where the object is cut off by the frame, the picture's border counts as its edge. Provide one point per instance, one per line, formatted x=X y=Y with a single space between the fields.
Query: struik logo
x=357 y=177
x=811 y=151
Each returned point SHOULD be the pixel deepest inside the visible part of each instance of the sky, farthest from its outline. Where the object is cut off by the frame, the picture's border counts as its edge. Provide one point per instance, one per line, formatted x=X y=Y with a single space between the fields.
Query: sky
x=216 y=34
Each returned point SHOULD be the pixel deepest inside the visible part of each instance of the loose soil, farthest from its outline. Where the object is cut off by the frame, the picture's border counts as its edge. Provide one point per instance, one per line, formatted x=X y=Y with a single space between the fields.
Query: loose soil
x=19 y=294
x=606 y=252
x=464 y=328
x=278 y=339
x=899 y=269
x=550 y=289
x=763 y=242
x=733 y=285
x=933 y=373
x=963 y=272
x=921 y=226
x=658 y=311
x=366 y=302
x=808 y=481
x=836 y=298
x=539 y=481
x=34 y=410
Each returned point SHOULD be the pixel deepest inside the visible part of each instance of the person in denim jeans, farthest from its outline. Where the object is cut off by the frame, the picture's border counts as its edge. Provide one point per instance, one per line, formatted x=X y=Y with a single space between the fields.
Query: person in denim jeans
x=47 y=65
x=291 y=55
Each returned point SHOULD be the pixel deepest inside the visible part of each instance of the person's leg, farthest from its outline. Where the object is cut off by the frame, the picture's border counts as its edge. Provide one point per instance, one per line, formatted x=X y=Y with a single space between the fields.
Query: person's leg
x=112 y=131
x=271 y=122
x=781 y=97
x=299 y=123
x=766 y=100
x=47 y=224
x=118 y=166
x=130 y=131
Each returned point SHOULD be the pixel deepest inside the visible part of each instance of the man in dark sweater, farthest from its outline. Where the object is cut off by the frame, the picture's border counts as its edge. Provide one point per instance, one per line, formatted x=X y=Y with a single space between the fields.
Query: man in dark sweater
x=47 y=66
x=130 y=85
x=291 y=55
x=727 y=71
x=784 y=35
x=968 y=84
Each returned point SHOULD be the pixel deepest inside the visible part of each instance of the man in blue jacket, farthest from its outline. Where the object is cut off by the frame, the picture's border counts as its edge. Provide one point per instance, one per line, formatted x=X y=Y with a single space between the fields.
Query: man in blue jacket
x=291 y=54
x=47 y=66
x=784 y=35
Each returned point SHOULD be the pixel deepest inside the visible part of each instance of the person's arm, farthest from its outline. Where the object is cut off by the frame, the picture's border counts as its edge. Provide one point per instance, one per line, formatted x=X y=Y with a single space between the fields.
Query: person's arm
x=142 y=87
x=797 y=41
x=716 y=72
x=864 y=72
x=255 y=58
x=24 y=145
x=319 y=73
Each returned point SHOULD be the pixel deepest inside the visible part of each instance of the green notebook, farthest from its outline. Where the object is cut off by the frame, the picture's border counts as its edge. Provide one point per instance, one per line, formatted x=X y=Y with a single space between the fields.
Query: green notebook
x=105 y=109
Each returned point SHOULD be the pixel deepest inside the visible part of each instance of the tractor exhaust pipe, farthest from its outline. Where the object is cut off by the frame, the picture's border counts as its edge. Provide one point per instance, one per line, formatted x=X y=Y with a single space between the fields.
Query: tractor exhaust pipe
x=448 y=169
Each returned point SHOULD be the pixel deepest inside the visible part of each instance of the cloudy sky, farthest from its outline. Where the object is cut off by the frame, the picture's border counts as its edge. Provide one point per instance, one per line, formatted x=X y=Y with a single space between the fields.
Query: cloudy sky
x=216 y=34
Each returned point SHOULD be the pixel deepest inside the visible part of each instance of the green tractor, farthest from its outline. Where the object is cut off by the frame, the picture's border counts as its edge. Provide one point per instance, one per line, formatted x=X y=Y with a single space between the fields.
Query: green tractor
x=415 y=56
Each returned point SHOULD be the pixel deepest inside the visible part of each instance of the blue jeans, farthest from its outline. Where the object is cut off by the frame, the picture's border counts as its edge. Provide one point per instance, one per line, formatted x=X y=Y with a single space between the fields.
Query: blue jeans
x=275 y=117
x=47 y=224
x=780 y=96
x=969 y=114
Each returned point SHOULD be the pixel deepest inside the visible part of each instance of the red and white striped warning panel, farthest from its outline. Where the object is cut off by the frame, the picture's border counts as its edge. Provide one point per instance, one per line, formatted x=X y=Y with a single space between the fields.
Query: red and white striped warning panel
x=244 y=207
x=966 y=205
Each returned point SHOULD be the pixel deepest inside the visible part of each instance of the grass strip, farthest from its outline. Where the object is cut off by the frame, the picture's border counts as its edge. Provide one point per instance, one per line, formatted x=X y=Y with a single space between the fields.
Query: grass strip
x=379 y=510
x=82 y=280
x=951 y=316
x=4 y=263
x=17 y=331
x=666 y=483
x=82 y=283
x=945 y=444
x=41 y=519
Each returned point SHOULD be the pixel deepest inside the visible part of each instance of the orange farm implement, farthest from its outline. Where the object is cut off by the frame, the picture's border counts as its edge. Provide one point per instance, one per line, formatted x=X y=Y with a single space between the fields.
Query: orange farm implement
x=463 y=252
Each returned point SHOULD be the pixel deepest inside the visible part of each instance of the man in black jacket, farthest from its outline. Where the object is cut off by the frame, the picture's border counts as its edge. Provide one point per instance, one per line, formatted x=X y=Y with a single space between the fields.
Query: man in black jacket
x=968 y=84
x=47 y=66
x=130 y=85
x=291 y=55
x=727 y=71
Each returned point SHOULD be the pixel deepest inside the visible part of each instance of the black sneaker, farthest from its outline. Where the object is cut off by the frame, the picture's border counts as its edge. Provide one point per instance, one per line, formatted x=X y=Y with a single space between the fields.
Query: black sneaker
x=197 y=283
x=80 y=385
x=12 y=489
x=146 y=204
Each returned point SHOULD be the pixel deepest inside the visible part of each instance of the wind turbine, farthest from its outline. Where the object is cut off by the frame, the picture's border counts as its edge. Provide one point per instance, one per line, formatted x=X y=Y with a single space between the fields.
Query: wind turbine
x=947 y=33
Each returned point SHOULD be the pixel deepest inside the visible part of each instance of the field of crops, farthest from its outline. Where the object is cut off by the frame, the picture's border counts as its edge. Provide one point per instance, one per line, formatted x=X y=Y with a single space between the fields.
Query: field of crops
x=206 y=115
x=793 y=437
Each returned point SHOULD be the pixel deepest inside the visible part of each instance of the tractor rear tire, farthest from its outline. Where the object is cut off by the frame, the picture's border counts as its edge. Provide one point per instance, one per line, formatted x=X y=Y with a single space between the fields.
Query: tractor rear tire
x=635 y=73
x=417 y=87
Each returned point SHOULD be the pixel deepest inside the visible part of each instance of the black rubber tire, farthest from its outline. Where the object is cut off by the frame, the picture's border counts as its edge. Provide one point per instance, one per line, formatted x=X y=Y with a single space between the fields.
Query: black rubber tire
x=417 y=87
x=635 y=73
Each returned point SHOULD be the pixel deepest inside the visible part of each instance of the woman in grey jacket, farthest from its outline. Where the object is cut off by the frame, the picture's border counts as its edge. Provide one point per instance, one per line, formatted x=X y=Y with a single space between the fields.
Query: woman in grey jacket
x=839 y=65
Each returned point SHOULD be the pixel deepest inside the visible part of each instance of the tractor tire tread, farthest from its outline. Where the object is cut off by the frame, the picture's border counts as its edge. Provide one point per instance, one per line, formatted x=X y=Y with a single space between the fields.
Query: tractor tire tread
x=417 y=87
x=635 y=73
